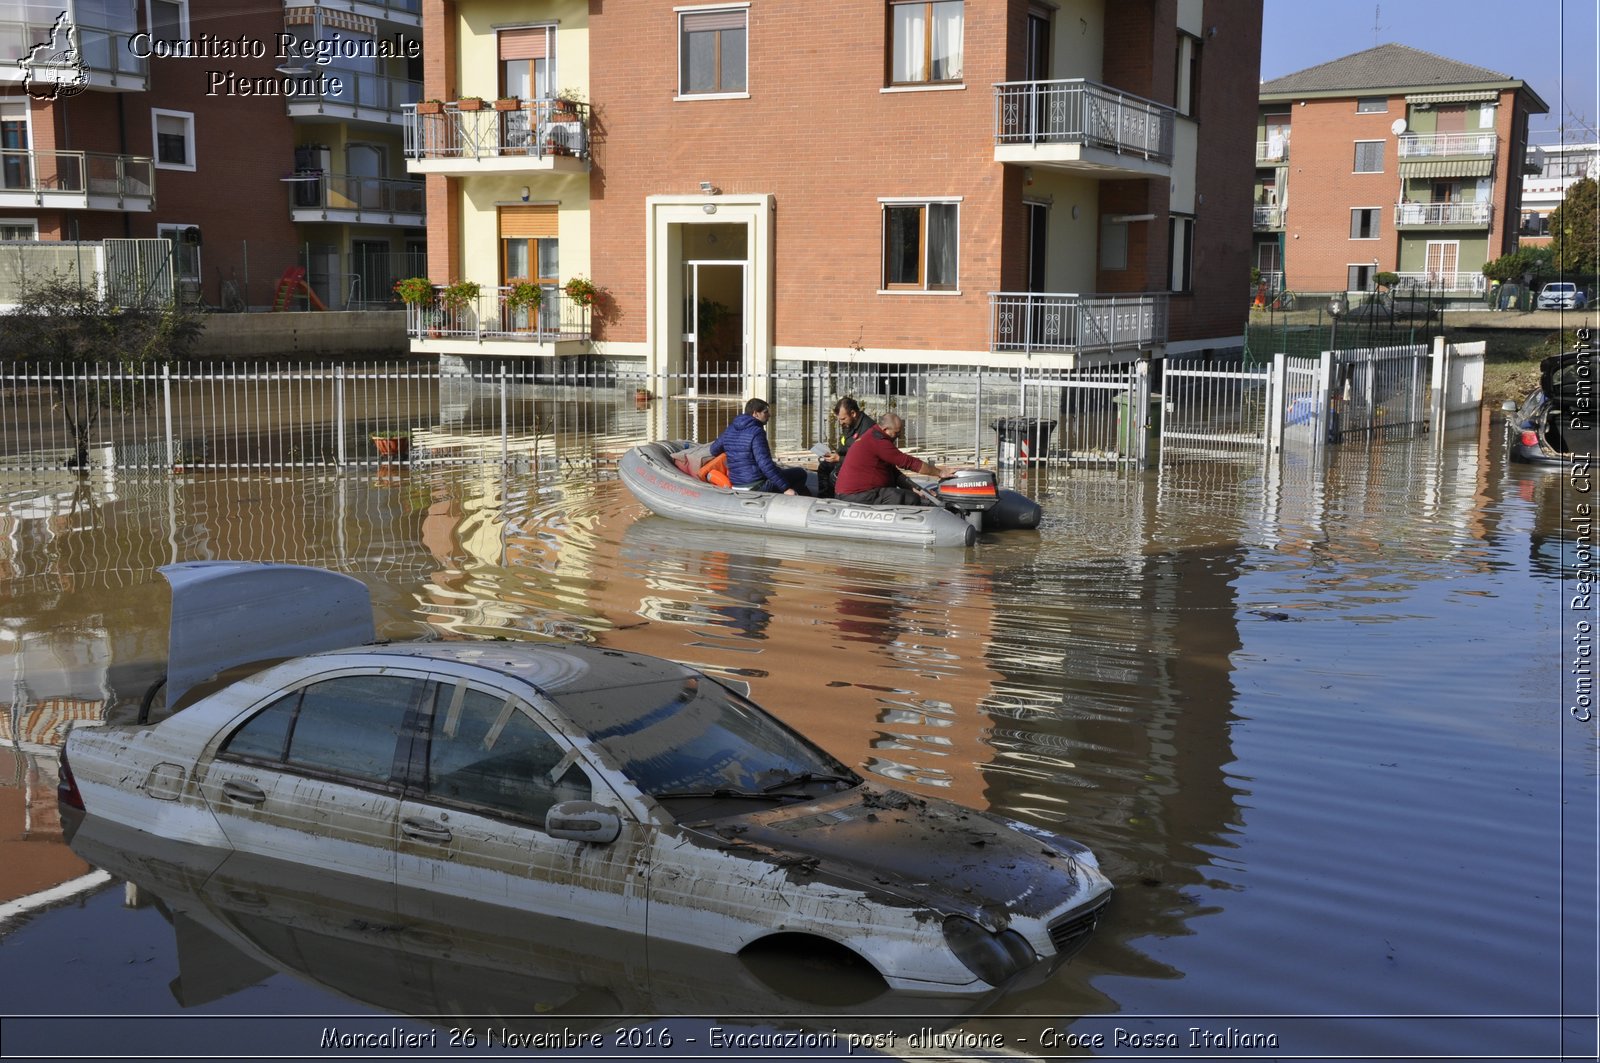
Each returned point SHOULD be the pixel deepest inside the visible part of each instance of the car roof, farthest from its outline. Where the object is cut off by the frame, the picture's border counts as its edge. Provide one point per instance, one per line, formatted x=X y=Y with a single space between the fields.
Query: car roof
x=553 y=668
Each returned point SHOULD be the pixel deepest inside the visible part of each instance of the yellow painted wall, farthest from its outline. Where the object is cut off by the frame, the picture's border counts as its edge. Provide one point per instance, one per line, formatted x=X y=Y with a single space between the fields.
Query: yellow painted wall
x=1079 y=43
x=1070 y=258
x=480 y=62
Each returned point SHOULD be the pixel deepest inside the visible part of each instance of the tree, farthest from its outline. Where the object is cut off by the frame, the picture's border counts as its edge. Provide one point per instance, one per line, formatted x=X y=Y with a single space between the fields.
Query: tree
x=1574 y=236
x=1533 y=262
x=61 y=323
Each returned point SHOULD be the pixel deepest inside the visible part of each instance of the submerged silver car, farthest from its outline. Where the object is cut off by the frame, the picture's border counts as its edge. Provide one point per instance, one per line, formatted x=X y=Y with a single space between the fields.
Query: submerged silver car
x=609 y=788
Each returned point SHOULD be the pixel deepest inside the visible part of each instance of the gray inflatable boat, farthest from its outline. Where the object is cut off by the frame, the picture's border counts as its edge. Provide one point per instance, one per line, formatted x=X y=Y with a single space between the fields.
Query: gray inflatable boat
x=969 y=502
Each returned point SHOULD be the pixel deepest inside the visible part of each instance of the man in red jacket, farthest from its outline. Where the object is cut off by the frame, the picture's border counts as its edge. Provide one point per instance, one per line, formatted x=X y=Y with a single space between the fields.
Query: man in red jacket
x=872 y=465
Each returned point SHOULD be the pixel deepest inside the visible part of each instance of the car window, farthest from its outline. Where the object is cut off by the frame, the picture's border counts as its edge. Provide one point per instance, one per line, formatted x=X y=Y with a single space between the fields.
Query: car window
x=487 y=750
x=347 y=726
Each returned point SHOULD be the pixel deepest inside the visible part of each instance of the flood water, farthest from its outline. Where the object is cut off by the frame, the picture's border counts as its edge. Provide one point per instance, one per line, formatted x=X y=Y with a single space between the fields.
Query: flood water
x=1317 y=726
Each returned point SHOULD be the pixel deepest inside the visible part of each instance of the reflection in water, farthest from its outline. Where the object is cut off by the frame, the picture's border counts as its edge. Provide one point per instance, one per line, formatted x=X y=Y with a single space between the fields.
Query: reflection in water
x=1282 y=706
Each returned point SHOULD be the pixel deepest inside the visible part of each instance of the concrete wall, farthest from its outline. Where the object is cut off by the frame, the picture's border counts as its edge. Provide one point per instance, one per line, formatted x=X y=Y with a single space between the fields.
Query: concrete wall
x=371 y=333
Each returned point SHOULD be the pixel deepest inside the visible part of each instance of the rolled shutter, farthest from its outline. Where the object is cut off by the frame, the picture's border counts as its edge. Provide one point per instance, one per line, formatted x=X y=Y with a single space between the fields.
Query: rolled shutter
x=529 y=223
x=704 y=21
x=529 y=43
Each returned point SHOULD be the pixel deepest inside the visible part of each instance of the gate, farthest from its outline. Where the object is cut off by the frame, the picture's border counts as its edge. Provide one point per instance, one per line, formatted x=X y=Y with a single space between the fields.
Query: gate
x=1378 y=391
x=138 y=272
x=1214 y=410
x=1087 y=416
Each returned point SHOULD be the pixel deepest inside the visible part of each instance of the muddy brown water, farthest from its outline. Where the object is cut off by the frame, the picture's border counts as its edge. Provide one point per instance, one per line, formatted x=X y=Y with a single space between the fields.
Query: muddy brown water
x=1316 y=724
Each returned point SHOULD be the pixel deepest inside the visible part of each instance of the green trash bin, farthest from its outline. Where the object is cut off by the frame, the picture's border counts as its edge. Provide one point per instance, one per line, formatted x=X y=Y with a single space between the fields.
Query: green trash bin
x=1127 y=442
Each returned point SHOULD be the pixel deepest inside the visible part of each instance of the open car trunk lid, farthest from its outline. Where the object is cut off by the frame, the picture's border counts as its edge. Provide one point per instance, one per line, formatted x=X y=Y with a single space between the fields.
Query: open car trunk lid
x=228 y=613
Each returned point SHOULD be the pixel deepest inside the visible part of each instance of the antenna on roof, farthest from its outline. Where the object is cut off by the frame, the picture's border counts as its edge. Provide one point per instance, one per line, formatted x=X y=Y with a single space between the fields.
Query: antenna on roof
x=1377 y=12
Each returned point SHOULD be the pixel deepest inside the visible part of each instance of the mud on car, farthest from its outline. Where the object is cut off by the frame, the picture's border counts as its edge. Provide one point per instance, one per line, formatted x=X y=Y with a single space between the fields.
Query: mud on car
x=611 y=789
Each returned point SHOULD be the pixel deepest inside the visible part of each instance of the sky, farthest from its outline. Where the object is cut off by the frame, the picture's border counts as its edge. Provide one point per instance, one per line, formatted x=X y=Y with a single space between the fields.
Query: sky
x=1550 y=44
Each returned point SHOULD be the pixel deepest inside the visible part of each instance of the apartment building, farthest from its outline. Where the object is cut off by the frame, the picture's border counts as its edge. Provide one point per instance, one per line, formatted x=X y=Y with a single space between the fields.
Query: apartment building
x=764 y=182
x=1389 y=160
x=1554 y=166
x=252 y=138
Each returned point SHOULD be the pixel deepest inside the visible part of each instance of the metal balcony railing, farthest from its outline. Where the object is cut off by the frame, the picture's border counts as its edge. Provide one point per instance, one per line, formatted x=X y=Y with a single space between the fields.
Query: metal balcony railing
x=1273 y=149
x=50 y=173
x=1082 y=112
x=557 y=318
x=358 y=88
x=536 y=128
x=1437 y=281
x=1434 y=145
x=1041 y=322
x=342 y=191
x=1445 y=215
x=1264 y=217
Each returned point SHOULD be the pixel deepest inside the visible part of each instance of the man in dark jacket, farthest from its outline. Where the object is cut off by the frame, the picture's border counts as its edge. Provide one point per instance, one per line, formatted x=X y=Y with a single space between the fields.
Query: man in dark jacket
x=750 y=463
x=853 y=424
x=871 y=472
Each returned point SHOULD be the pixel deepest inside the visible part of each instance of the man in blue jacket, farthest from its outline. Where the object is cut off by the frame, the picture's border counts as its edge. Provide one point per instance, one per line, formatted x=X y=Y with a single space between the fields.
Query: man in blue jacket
x=750 y=463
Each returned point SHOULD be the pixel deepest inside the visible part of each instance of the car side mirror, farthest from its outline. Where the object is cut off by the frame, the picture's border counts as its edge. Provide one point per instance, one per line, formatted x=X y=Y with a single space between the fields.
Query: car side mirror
x=583 y=821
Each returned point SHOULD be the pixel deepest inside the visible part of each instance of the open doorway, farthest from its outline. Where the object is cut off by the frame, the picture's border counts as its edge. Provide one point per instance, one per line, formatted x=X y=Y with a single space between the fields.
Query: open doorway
x=715 y=332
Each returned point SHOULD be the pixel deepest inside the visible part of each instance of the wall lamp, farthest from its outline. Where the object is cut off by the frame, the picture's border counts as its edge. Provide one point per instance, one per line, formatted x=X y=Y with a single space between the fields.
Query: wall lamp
x=524 y=193
x=710 y=189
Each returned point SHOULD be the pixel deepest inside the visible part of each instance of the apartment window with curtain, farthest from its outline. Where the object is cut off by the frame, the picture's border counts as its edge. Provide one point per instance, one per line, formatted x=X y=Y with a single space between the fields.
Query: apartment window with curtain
x=174 y=139
x=713 y=49
x=1369 y=156
x=925 y=41
x=527 y=62
x=921 y=246
x=1364 y=223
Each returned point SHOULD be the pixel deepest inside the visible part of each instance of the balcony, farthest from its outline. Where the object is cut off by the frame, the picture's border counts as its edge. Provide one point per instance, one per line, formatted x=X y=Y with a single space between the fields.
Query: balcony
x=1045 y=323
x=402 y=12
x=1436 y=281
x=1272 y=151
x=361 y=97
x=1082 y=127
x=488 y=320
x=346 y=198
x=1266 y=218
x=538 y=135
x=104 y=60
x=1443 y=215
x=76 y=180
x=1448 y=145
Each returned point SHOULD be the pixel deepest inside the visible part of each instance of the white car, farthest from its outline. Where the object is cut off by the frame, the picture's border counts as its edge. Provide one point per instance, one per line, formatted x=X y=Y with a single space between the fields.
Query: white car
x=613 y=789
x=1562 y=295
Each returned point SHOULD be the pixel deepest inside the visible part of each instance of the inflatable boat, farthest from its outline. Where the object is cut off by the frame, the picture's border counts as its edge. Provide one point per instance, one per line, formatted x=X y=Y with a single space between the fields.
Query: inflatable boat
x=968 y=502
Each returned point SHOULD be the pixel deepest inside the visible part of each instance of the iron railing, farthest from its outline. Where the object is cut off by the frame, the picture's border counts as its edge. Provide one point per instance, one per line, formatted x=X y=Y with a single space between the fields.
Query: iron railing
x=1265 y=217
x=1035 y=322
x=493 y=314
x=1082 y=112
x=341 y=191
x=1442 y=282
x=1272 y=150
x=357 y=88
x=1434 y=145
x=45 y=175
x=1445 y=215
x=533 y=129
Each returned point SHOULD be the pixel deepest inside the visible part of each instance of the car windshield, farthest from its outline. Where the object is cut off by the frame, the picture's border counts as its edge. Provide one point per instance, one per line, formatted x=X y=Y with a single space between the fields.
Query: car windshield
x=689 y=734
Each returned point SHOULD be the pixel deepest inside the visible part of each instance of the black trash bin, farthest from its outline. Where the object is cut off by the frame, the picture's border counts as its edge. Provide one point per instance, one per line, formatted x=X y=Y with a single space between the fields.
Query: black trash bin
x=1023 y=440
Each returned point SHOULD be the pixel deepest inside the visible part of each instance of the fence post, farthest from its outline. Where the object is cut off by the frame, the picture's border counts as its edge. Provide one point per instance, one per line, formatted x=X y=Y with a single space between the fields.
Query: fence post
x=166 y=406
x=338 y=404
x=1437 y=383
x=1139 y=410
x=1323 y=401
x=977 y=422
x=505 y=420
x=1277 y=393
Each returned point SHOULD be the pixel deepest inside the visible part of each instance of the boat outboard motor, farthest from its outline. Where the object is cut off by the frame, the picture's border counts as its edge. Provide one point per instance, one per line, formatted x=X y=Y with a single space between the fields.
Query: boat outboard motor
x=969 y=493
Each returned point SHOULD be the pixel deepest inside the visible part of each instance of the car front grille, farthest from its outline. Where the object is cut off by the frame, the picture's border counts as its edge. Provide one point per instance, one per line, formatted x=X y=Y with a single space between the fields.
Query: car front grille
x=1071 y=932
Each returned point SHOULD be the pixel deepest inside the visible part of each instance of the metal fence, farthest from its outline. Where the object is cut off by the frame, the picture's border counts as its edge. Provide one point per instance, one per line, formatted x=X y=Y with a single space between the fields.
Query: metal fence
x=583 y=411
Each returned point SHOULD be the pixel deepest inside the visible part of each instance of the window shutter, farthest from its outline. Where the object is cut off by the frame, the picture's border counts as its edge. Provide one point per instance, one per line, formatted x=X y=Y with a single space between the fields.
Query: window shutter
x=528 y=223
x=704 y=21
x=530 y=43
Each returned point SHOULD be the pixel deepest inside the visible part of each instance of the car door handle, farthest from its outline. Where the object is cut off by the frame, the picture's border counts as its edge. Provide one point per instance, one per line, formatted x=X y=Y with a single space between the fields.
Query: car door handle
x=246 y=793
x=424 y=831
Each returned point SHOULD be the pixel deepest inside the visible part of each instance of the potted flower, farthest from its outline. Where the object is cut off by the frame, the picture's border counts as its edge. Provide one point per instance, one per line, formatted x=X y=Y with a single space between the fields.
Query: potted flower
x=414 y=290
x=564 y=108
x=523 y=294
x=392 y=443
x=470 y=103
x=430 y=107
x=581 y=291
x=508 y=103
x=458 y=296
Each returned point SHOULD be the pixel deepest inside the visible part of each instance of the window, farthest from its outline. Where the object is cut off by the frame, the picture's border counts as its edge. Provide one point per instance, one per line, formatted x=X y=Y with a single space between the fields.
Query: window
x=530 y=250
x=920 y=244
x=19 y=230
x=1113 y=243
x=1188 y=80
x=925 y=41
x=527 y=62
x=174 y=139
x=488 y=751
x=185 y=249
x=1180 y=253
x=1364 y=223
x=712 y=51
x=1369 y=156
x=1372 y=105
x=169 y=20
x=348 y=726
x=1358 y=278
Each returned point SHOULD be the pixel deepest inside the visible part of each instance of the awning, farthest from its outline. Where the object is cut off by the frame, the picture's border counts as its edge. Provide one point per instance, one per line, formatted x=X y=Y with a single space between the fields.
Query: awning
x=1448 y=168
x=1453 y=97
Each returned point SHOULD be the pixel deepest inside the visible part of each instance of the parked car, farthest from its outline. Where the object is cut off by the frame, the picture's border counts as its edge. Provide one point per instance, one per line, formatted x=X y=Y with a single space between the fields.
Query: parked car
x=613 y=789
x=1562 y=295
x=1557 y=421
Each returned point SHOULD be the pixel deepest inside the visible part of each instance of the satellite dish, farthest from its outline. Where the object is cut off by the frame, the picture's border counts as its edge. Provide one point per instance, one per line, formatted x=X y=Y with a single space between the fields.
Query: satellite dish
x=1398 y=126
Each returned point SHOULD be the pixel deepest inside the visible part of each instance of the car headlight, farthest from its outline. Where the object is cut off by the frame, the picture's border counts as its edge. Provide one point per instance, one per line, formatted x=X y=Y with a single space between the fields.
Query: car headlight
x=993 y=957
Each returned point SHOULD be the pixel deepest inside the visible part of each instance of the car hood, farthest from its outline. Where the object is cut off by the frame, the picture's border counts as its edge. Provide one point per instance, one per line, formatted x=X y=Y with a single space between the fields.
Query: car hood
x=918 y=852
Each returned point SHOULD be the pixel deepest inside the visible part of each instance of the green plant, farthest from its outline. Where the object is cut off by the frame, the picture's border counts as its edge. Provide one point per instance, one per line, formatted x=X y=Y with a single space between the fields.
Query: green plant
x=570 y=95
x=458 y=296
x=524 y=295
x=1386 y=279
x=582 y=291
x=414 y=290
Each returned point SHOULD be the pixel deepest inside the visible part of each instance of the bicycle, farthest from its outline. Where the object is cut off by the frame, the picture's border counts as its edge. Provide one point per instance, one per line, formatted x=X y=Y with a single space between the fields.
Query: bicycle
x=1284 y=300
